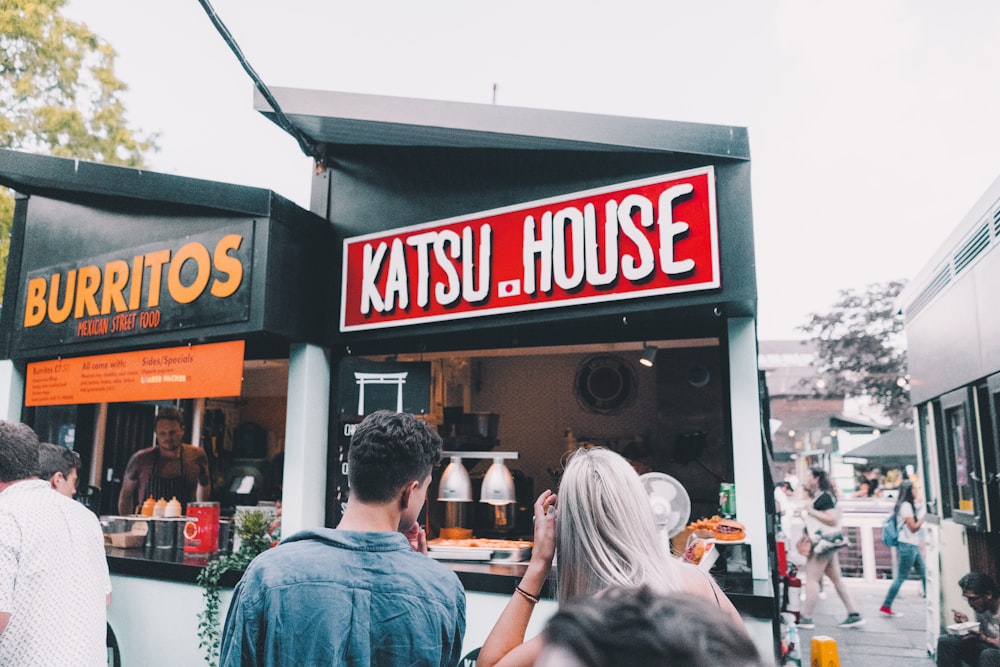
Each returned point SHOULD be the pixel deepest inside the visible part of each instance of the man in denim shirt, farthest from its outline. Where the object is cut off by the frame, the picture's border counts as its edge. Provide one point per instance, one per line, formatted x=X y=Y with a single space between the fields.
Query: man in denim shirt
x=358 y=594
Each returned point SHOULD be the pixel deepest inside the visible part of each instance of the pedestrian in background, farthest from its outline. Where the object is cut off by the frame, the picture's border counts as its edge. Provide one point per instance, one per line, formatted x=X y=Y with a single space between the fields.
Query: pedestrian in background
x=910 y=517
x=823 y=511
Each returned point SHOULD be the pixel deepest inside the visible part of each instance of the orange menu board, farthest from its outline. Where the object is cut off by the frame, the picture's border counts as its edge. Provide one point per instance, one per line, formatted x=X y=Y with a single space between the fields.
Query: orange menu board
x=195 y=371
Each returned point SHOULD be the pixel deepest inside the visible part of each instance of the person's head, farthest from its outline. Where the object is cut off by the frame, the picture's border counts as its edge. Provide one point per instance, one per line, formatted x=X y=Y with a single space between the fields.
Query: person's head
x=817 y=481
x=60 y=466
x=980 y=591
x=905 y=494
x=785 y=487
x=606 y=534
x=392 y=453
x=18 y=452
x=639 y=627
x=169 y=429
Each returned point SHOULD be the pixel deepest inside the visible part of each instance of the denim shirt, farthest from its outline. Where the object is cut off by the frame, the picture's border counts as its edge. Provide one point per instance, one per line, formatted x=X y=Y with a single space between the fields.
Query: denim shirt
x=338 y=597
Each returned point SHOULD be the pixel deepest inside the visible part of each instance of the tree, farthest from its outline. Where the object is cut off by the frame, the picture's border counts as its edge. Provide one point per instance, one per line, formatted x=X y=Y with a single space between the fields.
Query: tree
x=59 y=95
x=861 y=348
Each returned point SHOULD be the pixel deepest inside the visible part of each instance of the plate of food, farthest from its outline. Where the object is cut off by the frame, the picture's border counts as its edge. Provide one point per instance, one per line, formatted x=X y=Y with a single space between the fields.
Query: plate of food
x=962 y=628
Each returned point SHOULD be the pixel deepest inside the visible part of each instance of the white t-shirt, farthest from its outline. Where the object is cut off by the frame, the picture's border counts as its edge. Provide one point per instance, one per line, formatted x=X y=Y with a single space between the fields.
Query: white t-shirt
x=905 y=534
x=53 y=579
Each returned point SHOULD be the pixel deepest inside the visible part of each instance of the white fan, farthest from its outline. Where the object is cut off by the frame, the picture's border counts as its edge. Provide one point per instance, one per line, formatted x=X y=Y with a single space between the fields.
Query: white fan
x=669 y=500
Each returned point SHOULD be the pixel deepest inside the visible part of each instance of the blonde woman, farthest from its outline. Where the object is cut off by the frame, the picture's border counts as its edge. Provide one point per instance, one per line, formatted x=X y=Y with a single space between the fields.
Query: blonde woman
x=602 y=527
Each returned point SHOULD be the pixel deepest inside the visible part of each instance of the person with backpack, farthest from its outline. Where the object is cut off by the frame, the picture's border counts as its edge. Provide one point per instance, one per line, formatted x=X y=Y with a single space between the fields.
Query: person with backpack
x=908 y=516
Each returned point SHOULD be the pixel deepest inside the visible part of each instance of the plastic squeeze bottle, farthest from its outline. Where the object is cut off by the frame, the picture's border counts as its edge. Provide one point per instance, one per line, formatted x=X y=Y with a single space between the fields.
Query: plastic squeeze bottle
x=173 y=508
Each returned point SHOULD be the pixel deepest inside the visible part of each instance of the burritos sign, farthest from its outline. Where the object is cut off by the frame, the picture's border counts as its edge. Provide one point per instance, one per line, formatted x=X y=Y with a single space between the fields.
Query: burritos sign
x=199 y=280
x=631 y=240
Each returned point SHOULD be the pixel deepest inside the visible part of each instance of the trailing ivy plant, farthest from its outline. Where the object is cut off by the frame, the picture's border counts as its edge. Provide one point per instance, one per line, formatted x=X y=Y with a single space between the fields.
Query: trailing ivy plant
x=252 y=529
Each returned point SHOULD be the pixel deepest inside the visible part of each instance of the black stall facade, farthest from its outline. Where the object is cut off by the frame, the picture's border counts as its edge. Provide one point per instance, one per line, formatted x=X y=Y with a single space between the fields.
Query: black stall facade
x=527 y=280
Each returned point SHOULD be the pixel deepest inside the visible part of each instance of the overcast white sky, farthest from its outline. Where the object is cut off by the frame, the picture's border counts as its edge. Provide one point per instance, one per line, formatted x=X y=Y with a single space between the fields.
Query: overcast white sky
x=874 y=124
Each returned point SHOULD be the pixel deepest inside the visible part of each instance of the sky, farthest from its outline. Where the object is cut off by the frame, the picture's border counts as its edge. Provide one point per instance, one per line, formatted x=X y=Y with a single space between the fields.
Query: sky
x=873 y=124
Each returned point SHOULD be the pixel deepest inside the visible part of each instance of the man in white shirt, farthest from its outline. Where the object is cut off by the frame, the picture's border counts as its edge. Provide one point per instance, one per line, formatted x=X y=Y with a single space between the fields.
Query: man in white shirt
x=54 y=582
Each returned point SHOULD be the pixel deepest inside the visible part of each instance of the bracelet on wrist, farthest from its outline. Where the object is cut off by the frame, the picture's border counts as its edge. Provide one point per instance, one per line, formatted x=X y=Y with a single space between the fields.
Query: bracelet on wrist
x=533 y=599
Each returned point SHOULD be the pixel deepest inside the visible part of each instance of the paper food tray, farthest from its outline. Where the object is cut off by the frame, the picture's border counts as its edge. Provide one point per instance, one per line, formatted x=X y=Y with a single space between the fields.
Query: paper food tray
x=497 y=551
x=458 y=553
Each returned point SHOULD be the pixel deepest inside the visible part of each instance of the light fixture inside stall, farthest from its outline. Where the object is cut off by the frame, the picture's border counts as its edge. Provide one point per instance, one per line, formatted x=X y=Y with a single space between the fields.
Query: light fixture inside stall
x=456 y=486
x=498 y=484
x=648 y=355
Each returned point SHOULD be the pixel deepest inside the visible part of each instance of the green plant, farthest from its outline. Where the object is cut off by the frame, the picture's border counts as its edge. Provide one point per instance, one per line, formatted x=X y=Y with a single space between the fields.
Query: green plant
x=252 y=529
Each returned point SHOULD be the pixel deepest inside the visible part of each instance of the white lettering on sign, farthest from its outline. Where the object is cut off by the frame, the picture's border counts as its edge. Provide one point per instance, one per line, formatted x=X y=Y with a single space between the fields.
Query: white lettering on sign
x=654 y=236
x=473 y=287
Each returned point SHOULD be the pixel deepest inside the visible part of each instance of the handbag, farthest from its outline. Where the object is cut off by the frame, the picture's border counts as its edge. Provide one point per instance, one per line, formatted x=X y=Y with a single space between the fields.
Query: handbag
x=829 y=542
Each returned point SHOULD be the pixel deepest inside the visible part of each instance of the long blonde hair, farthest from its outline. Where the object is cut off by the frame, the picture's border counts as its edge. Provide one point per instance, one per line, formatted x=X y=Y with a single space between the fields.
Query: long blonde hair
x=606 y=533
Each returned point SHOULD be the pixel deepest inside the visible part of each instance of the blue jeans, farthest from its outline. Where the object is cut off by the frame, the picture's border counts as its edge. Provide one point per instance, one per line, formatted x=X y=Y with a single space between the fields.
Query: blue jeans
x=909 y=555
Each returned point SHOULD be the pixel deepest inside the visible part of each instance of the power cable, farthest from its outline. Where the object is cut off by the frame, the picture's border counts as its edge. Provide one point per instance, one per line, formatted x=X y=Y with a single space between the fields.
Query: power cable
x=306 y=145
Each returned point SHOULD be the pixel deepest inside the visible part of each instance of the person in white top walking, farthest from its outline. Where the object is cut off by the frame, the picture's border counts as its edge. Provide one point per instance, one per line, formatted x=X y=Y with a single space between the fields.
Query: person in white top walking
x=910 y=523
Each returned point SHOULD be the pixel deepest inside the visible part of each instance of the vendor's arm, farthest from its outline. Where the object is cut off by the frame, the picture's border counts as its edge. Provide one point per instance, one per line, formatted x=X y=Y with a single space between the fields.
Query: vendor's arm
x=204 y=490
x=505 y=644
x=130 y=482
x=4 y=620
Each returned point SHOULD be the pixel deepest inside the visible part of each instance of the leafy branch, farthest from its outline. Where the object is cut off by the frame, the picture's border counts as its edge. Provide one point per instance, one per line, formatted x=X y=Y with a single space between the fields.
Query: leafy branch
x=252 y=528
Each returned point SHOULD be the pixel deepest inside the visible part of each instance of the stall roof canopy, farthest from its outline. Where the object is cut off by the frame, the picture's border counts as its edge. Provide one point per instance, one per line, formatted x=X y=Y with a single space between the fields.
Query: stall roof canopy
x=899 y=444
x=69 y=179
x=352 y=119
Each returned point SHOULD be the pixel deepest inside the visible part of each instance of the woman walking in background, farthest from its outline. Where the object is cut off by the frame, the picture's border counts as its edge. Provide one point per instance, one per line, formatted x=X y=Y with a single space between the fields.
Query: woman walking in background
x=823 y=512
x=910 y=526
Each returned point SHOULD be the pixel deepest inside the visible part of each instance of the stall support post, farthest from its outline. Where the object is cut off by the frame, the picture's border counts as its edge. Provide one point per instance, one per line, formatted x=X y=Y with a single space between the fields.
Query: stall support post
x=306 y=434
x=747 y=455
x=11 y=391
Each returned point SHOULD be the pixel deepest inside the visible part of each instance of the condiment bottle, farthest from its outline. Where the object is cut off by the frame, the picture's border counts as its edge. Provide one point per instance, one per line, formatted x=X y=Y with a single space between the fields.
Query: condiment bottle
x=173 y=508
x=147 y=507
x=160 y=507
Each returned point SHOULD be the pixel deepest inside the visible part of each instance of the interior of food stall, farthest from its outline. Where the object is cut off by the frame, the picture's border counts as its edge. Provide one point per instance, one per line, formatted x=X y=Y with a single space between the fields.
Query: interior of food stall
x=243 y=438
x=538 y=403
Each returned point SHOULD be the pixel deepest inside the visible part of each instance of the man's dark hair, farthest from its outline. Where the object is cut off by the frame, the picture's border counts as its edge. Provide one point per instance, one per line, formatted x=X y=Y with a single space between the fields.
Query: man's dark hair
x=639 y=627
x=53 y=458
x=173 y=414
x=18 y=452
x=389 y=450
x=978 y=583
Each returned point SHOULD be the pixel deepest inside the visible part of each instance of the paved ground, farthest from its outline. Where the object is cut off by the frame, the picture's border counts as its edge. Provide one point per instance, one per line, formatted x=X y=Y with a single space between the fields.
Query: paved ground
x=881 y=642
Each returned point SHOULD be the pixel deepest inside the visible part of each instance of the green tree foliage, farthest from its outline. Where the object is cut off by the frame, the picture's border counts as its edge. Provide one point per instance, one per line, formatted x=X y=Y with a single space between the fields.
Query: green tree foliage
x=59 y=95
x=861 y=348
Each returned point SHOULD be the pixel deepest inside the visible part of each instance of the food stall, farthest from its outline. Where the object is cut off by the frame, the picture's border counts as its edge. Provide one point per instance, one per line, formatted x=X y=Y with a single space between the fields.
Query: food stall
x=529 y=281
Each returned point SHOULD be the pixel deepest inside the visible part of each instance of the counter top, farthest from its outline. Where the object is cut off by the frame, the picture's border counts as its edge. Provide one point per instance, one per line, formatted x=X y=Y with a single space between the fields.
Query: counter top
x=751 y=597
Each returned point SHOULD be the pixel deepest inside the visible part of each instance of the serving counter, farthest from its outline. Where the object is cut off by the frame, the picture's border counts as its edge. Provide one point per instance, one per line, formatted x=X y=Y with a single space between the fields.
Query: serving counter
x=163 y=581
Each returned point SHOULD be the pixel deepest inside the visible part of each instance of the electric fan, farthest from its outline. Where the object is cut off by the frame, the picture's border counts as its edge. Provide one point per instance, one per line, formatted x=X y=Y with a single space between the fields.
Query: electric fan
x=670 y=502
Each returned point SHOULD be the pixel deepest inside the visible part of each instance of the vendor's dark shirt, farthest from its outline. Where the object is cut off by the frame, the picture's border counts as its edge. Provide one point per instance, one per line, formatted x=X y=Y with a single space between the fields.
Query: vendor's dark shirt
x=337 y=597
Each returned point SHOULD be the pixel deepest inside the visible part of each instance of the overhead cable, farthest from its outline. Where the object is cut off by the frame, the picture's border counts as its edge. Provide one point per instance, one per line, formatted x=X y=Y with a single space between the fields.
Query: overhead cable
x=306 y=145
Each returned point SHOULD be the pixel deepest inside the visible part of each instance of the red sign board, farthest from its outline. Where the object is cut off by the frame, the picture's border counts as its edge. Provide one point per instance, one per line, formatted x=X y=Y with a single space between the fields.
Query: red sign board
x=631 y=240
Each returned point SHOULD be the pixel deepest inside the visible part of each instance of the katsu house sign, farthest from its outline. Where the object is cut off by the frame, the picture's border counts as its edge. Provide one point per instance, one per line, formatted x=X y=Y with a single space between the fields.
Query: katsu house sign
x=632 y=240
